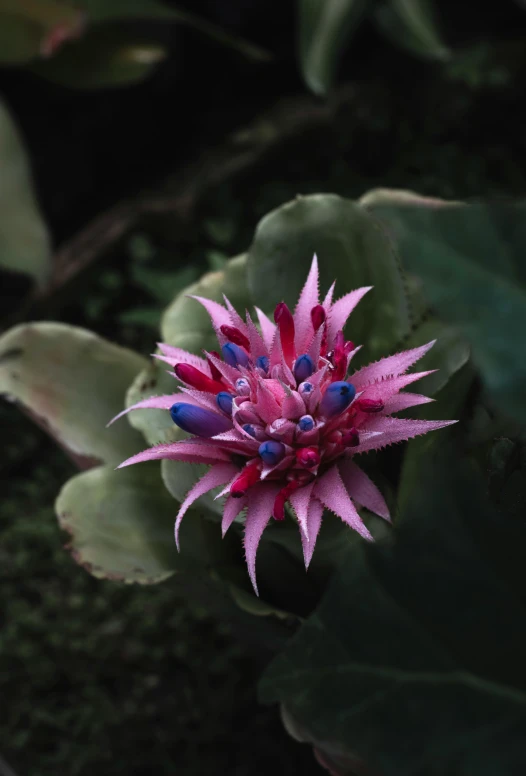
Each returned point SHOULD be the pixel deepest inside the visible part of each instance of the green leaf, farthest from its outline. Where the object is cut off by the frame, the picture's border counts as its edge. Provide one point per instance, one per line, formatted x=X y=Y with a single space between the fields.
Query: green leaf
x=412 y=25
x=351 y=250
x=325 y=26
x=24 y=239
x=71 y=382
x=120 y=523
x=448 y=355
x=156 y=425
x=414 y=660
x=186 y=324
x=121 y=527
x=470 y=261
x=106 y=56
x=180 y=477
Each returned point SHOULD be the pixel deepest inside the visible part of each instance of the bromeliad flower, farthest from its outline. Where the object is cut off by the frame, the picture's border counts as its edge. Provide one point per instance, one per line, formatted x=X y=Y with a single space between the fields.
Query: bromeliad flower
x=278 y=419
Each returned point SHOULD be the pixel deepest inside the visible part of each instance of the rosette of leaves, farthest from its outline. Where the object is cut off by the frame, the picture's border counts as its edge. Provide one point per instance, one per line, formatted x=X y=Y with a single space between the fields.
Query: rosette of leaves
x=73 y=382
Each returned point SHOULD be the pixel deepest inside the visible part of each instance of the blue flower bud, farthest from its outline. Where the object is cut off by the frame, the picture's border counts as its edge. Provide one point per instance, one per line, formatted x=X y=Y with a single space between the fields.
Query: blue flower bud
x=271 y=452
x=249 y=428
x=199 y=421
x=306 y=423
x=263 y=363
x=234 y=355
x=243 y=386
x=224 y=402
x=303 y=368
x=305 y=388
x=337 y=398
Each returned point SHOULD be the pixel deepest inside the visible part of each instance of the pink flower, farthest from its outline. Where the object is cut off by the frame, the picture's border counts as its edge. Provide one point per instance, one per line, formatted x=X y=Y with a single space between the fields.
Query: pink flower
x=278 y=419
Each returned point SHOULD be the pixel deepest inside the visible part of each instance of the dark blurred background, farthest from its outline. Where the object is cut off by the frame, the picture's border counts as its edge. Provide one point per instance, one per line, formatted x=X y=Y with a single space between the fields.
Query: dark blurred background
x=143 y=185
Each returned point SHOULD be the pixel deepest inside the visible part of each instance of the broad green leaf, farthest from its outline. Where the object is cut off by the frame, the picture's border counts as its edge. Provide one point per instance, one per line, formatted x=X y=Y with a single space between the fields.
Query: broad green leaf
x=351 y=250
x=186 y=324
x=105 y=56
x=412 y=25
x=470 y=261
x=325 y=26
x=24 y=239
x=414 y=660
x=120 y=523
x=180 y=477
x=121 y=527
x=156 y=425
x=71 y=382
x=448 y=355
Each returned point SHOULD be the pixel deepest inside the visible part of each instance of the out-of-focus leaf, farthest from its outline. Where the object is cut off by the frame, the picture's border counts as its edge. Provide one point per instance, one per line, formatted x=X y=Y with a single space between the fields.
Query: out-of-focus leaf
x=412 y=25
x=351 y=250
x=325 y=26
x=470 y=261
x=72 y=382
x=20 y=39
x=141 y=316
x=106 y=56
x=186 y=324
x=120 y=523
x=24 y=239
x=164 y=285
x=36 y=28
x=414 y=661
x=103 y=11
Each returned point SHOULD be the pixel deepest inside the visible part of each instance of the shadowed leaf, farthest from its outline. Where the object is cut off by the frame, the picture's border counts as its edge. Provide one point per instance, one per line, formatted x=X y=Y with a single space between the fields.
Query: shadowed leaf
x=421 y=669
x=470 y=262
x=325 y=26
x=351 y=250
x=24 y=239
x=72 y=382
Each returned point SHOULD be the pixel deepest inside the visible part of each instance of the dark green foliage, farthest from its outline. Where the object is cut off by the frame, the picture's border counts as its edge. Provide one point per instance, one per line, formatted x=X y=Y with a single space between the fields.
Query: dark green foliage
x=414 y=659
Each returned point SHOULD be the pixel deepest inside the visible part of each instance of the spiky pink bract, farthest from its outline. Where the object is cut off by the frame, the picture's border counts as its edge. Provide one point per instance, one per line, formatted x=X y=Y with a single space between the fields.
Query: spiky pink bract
x=266 y=457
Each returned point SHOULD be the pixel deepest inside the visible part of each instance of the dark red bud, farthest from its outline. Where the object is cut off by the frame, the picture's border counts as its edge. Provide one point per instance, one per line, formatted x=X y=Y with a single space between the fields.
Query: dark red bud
x=236 y=336
x=248 y=477
x=285 y=323
x=339 y=359
x=278 y=512
x=369 y=405
x=317 y=316
x=196 y=379
x=350 y=437
x=214 y=371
